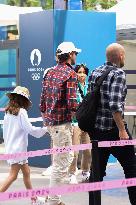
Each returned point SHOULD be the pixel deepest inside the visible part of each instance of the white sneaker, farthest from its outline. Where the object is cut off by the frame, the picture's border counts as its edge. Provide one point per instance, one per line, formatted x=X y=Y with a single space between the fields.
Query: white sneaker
x=85 y=176
x=41 y=201
x=47 y=172
x=77 y=171
x=72 y=179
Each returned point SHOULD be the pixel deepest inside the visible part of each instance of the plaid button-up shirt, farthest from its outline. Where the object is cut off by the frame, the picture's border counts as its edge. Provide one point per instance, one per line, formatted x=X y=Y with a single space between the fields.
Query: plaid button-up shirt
x=58 y=97
x=112 y=95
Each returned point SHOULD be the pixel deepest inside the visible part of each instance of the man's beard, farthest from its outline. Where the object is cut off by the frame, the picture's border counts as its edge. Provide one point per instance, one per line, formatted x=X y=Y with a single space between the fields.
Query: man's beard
x=73 y=62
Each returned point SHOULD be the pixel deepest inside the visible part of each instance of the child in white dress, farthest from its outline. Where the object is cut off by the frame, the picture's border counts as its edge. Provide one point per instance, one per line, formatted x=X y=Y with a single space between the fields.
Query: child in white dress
x=16 y=128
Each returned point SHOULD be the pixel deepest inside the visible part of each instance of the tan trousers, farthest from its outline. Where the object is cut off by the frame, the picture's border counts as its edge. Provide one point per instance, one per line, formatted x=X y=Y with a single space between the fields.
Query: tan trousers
x=61 y=137
x=80 y=137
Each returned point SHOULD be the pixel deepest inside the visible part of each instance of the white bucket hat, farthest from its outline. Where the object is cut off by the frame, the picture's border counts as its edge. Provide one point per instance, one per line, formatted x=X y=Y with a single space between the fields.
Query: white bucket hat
x=67 y=47
x=20 y=91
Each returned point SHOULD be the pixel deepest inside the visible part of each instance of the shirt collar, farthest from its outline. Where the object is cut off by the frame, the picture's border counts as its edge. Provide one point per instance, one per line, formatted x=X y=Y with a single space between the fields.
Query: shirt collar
x=67 y=64
x=110 y=64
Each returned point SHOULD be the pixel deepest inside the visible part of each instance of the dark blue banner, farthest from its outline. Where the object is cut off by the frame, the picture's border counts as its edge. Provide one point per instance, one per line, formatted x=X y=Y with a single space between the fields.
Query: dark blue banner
x=36 y=54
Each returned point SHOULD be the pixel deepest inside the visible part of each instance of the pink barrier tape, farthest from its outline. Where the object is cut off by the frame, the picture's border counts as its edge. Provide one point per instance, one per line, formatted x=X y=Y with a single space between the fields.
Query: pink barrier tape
x=116 y=143
x=58 y=150
x=84 y=187
x=130 y=107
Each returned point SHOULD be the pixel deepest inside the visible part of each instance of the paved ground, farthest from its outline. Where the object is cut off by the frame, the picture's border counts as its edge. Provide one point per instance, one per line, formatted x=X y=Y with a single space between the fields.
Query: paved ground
x=116 y=196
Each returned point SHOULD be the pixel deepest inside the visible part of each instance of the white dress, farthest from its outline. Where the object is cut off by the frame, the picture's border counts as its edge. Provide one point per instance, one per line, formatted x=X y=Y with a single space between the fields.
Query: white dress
x=15 y=134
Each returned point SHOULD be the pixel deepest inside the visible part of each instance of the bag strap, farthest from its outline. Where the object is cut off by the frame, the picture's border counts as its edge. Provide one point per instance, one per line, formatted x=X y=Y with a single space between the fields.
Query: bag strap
x=104 y=75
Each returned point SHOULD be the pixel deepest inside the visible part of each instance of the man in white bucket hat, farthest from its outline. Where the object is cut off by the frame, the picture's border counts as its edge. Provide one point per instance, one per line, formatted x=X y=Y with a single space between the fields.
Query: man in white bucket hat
x=58 y=105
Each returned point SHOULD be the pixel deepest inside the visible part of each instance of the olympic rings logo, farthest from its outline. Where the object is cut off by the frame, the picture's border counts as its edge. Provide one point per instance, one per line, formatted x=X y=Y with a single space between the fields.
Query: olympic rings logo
x=35 y=76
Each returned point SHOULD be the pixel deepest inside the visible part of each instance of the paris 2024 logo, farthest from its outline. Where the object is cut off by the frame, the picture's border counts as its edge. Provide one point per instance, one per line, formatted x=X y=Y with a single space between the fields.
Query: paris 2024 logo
x=35 y=59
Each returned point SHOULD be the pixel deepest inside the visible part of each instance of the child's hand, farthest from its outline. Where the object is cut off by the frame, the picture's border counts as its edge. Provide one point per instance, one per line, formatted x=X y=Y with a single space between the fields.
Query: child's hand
x=42 y=114
x=45 y=129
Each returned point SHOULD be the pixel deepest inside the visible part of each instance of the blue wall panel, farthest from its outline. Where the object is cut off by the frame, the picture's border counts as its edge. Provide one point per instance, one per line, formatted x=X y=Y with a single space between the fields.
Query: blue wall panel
x=90 y=31
x=36 y=32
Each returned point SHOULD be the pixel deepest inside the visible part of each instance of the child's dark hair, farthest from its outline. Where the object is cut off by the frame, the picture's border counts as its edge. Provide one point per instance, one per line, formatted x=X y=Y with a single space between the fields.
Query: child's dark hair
x=16 y=102
x=77 y=67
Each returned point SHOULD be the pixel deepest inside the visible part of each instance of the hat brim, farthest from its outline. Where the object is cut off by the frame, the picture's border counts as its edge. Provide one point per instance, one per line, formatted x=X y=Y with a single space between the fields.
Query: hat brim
x=74 y=50
x=9 y=95
x=78 y=50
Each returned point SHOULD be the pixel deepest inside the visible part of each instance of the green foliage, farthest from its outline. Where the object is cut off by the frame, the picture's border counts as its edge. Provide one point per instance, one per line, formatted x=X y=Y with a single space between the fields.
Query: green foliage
x=105 y=4
x=32 y=3
x=90 y=4
x=13 y=2
x=48 y=4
